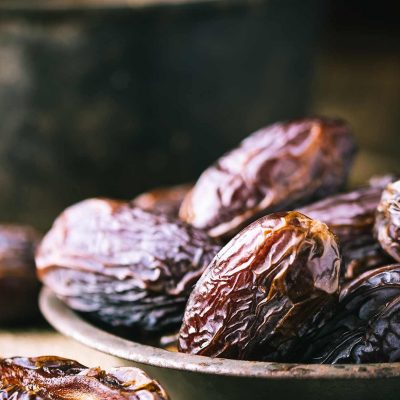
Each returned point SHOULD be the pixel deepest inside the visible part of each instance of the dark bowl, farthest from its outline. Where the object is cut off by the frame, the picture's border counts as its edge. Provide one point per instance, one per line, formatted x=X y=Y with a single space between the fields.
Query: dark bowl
x=94 y=92
x=190 y=377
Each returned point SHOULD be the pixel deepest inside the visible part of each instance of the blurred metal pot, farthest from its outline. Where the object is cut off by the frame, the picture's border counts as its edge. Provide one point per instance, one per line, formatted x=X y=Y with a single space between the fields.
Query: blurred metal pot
x=114 y=97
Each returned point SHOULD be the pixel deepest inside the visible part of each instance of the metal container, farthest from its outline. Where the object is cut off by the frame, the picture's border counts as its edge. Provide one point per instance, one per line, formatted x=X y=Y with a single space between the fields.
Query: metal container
x=190 y=377
x=113 y=97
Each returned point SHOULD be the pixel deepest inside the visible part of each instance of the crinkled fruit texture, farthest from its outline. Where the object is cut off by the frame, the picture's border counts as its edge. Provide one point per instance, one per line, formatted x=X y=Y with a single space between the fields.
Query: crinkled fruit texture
x=351 y=218
x=366 y=326
x=276 y=281
x=387 y=225
x=18 y=279
x=123 y=265
x=277 y=168
x=166 y=200
x=54 y=378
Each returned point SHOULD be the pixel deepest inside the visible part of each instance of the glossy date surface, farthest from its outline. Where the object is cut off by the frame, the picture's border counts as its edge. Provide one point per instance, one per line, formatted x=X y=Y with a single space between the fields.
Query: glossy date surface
x=54 y=378
x=366 y=325
x=122 y=265
x=351 y=218
x=270 y=285
x=18 y=279
x=166 y=200
x=276 y=168
x=387 y=225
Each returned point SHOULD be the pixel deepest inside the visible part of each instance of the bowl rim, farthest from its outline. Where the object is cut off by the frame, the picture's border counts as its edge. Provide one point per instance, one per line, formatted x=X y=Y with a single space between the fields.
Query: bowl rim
x=69 y=323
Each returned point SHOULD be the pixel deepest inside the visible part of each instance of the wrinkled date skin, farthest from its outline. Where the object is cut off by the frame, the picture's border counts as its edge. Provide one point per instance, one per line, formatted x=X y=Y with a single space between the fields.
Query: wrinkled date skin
x=366 y=326
x=166 y=200
x=277 y=168
x=122 y=265
x=351 y=218
x=18 y=279
x=273 y=283
x=387 y=225
x=54 y=378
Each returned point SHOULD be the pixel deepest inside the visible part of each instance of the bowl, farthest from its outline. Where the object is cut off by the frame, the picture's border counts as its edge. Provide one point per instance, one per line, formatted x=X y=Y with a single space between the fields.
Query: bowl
x=191 y=377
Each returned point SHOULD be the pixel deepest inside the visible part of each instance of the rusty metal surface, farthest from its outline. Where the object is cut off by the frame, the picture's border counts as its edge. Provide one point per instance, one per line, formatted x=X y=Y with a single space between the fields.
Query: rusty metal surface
x=69 y=323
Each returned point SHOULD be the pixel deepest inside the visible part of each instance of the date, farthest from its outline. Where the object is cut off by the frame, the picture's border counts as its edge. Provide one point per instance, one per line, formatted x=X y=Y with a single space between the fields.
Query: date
x=280 y=167
x=17 y=274
x=362 y=257
x=387 y=224
x=271 y=284
x=351 y=218
x=366 y=325
x=57 y=378
x=122 y=265
x=166 y=200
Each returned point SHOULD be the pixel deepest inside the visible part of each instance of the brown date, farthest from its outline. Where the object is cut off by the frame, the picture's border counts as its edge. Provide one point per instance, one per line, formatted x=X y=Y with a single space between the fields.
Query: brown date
x=277 y=168
x=362 y=257
x=166 y=200
x=54 y=378
x=366 y=325
x=274 y=282
x=17 y=274
x=351 y=218
x=122 y=265
x=387 y=224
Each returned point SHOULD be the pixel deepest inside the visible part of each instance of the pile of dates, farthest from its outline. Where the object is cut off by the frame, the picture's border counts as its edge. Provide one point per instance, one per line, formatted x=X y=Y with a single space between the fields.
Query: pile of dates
x=266 y=257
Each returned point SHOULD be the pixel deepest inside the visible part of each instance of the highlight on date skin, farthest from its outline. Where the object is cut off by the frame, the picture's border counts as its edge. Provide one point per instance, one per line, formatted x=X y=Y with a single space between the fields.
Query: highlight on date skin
x=274 y=282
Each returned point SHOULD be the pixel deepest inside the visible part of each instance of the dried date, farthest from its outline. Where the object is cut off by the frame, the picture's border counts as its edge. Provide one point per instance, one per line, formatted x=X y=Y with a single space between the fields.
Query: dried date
x=18 y=279
x=387 y=224
x=166 y=200
x=362 y=257
x=351 y=218
x=122 y=265
x=366 y=325
x=277 y=168
x=276 y=281
x=55 y=378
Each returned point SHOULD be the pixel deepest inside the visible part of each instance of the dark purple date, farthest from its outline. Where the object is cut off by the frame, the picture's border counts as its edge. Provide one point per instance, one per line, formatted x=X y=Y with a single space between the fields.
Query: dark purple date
x=387 y=225
x=366 y=325
x=277 y=168
x=122 y=265
x=351 y=218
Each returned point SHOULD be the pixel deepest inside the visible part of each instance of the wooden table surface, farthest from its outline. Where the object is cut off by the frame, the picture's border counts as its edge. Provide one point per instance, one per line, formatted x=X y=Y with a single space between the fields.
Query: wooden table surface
x=32 y=342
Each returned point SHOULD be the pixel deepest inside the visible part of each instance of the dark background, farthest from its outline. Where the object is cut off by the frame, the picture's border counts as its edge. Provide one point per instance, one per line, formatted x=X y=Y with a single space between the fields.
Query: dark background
x=357 y=76
x=115 y=100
